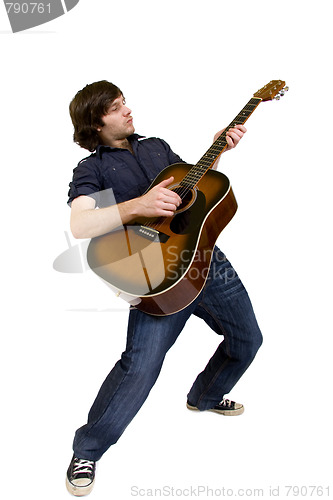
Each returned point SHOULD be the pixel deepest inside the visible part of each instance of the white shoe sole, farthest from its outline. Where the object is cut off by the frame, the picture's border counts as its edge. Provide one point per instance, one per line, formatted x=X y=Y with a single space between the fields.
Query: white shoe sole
x=79 y=491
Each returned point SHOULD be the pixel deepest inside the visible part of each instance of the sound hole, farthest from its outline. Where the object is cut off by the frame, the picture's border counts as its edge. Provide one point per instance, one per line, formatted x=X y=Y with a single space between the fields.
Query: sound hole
x=189 y=214
x=188 y=198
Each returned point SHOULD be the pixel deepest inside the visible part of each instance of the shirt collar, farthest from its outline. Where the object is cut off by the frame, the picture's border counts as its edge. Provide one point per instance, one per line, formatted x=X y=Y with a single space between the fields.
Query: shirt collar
x=101 y=147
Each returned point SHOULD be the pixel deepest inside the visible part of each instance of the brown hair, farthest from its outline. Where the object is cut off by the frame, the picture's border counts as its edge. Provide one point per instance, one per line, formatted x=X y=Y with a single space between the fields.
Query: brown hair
x=87 y=109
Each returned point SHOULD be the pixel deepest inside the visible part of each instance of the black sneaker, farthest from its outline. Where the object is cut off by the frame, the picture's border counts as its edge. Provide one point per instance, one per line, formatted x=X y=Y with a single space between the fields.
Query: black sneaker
x=225 y=407
x=80 y=476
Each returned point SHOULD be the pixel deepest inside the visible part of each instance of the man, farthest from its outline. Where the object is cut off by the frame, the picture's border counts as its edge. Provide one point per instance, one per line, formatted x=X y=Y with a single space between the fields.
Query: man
x=128 y=163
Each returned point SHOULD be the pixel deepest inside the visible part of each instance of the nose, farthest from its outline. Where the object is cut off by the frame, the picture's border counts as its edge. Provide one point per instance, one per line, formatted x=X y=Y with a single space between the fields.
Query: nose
x=127 y=111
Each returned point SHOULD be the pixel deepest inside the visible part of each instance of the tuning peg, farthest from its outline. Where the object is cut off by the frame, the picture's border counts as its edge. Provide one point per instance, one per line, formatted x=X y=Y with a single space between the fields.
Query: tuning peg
x=283 y=91
x=277 y=97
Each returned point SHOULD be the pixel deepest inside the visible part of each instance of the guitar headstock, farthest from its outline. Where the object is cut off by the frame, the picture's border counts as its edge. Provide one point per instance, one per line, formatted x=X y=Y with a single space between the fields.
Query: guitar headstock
x=273 y=90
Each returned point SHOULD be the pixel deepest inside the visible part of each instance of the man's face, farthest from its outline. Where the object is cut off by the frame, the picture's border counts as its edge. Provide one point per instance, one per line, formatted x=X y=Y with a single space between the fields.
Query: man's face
x=118 y=123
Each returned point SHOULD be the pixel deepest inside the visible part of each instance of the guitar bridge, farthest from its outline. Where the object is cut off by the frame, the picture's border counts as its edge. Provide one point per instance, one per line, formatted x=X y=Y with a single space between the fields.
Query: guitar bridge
x=150 y=233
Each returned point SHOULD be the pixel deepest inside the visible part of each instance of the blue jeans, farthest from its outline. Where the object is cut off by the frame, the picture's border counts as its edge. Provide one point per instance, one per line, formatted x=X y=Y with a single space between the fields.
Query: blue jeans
x=225 y=306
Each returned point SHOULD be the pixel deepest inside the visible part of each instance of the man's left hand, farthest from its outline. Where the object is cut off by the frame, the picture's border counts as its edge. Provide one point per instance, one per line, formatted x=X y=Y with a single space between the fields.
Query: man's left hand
x=233 y=136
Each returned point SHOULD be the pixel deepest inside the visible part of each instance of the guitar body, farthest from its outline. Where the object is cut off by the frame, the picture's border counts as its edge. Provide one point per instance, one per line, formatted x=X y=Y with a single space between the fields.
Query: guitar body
x=161 y=265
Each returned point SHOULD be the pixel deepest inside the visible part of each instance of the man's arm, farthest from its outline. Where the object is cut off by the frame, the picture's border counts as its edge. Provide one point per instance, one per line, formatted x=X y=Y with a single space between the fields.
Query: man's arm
x=87 y=222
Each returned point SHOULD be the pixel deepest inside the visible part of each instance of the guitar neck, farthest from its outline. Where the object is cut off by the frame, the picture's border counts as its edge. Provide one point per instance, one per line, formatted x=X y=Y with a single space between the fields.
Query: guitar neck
x=217 y=148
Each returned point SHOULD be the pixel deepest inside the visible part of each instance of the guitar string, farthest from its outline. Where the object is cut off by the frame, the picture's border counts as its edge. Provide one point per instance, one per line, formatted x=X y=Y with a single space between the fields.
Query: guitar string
x=196 y=173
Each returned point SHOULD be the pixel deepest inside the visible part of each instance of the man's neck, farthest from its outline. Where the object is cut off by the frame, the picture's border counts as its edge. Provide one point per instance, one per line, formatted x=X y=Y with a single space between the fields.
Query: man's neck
x=122 y=144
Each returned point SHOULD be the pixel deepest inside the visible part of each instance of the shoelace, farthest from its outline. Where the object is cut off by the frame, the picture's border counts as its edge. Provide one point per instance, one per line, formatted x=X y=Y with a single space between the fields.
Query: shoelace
x=226 y=402
x=83 y=466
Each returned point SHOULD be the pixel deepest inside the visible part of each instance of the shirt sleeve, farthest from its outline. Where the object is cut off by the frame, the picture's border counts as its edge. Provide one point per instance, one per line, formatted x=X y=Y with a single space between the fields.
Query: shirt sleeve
x=87 y=180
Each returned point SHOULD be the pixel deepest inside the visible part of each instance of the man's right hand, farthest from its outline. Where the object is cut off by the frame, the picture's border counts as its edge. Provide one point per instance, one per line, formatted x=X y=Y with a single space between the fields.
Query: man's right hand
x=159 y=201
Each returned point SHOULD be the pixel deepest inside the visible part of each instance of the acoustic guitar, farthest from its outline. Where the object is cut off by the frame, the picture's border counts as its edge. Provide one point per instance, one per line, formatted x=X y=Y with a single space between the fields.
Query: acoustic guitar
x=160 y=265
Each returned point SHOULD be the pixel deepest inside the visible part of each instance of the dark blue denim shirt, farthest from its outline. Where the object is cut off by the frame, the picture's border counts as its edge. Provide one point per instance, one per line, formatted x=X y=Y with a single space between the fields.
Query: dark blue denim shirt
x=115 y=175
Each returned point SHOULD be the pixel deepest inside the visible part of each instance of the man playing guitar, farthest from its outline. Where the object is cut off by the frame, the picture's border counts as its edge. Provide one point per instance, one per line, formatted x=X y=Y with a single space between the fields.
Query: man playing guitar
x=125 y=164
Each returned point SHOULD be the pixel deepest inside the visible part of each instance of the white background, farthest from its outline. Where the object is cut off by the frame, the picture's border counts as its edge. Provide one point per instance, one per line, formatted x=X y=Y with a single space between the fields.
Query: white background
x=186 y=69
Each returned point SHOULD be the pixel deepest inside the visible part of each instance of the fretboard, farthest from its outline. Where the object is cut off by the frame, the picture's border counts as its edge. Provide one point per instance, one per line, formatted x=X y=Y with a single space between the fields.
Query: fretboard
x=212 y=154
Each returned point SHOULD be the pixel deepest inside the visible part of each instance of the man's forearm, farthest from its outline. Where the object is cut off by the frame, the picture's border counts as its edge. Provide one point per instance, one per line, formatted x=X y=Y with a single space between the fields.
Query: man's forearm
x=91 y=222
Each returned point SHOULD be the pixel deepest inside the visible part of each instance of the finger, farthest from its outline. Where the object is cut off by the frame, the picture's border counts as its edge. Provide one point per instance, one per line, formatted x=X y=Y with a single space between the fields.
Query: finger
x=166 y=213
x=172 y=207
x=169 y=193
x=233 y=137
x=172 y=197
x=230 y=142
x=166 y=182
x=235 y=133
x=167 y=209
x=241 y=128
x=217 y=135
